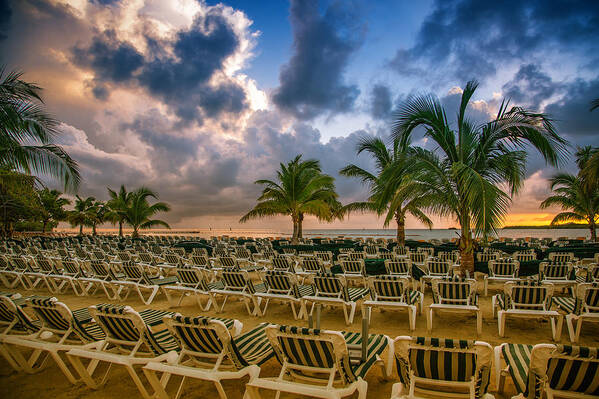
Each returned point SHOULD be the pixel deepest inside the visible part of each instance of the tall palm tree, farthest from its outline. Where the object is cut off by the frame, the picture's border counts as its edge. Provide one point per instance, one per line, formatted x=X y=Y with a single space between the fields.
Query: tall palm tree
x=402 y=195
x=300 y=189
x=118 y=204
x=80 y=215
x=471 y=164
x=27 y=133
x=578 y=199
x=97 y=215
x=53 y=205
x=139 y=211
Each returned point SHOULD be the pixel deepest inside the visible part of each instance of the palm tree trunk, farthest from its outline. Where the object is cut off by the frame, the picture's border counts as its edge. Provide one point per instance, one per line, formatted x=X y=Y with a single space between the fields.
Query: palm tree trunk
x=401 y=229
x=44 y=226
x=294 y=235
x=135 y=233
x=300 y=221
x=120 y=228
x=466 y=247
x=80 y=229
x=593 y=229
x=94 y=229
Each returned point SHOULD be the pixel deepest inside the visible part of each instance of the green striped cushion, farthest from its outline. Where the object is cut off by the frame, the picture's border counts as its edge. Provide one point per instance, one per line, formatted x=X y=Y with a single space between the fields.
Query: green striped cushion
x=565 y=303
x=354 y=293
x=253 y=346
x=306 y=349
x=440 y=364
x=517 y=357
x=389 y=286
x=579 y=374
x=376 y=345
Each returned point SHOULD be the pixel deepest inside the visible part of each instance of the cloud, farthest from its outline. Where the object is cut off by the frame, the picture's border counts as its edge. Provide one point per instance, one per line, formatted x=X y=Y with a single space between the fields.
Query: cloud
x=312 y=82
x=467 y=38
x=186 y=71
x=5 y=16
x=380 y=102
x=531 y=86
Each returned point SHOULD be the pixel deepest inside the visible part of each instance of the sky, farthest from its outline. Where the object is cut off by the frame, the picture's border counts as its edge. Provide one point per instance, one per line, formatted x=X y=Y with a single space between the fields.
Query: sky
x=198 y=99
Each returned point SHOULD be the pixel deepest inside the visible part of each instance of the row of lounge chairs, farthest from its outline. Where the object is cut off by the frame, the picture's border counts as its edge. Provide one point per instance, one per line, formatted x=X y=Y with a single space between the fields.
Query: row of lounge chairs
x=171 y=349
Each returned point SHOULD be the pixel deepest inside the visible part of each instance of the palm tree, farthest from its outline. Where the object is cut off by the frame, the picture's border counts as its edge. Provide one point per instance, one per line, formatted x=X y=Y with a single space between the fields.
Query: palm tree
x=578 y=200
x=473 y=165
x=52 y=206
x=97 y=215
x=80 y=215
x=300 y=189
x=139 y=211
x=394 y=196
x=27 y=133
x=118 y=205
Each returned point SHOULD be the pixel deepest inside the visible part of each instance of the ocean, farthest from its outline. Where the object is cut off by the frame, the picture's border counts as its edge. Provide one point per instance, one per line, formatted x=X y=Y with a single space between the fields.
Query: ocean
x=413 y=234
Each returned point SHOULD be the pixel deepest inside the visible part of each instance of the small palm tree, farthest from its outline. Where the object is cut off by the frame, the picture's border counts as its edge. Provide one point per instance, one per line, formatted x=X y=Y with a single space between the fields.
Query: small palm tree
x=118 y=204
x=52 y=205
x=80 y=215
x=97 y=215
x=578 y=200
x=27 y=133
x=300 y=189
x=391 y=195
x=471 y=164
x=139 y=211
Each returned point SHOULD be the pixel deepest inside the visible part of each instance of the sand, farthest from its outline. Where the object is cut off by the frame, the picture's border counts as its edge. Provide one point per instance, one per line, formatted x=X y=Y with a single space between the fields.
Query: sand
x=51 y=383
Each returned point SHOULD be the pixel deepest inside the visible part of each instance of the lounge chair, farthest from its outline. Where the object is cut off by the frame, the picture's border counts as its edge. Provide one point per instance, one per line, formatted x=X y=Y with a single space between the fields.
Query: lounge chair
x=310 y=267
x=129 y=342
x=557 y=274
x=190 y=282
x=454 y=295
x=137 y=279
x=282 y=286
x=14 y=321
x=237 y=283
x=69 y=278
x=393 y=293
x=102 y=276
x=502 y=270
x=556 y=370
x=584 y=306
x=330 y=290
x=209 y=352
x=434 y=268
x=442 y=368
x=61 y=330
x=354 y=271
x=321 y=364
x=401 y=267
x=527 y=299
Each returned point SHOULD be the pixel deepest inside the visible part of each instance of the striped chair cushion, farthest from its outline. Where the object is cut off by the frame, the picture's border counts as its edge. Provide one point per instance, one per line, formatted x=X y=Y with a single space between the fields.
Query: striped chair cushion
x=281 y=263
x=438 y=267
x=567 y=304
x=312 y=265
x=253 y=346
x=353 y=294
x=389 y=286
x=24 y=323
x=517 y=357
x=238 y=280
x=452 y=292
x=306 y=349
x=278 y=280
x=574 y=374
x=400 y=266
x=555 y=272
x=376 y=345
x=46 y=311
x=434 y=361
x=352 y=266
x=502 y=268
x=191 y=277
x=327 y=283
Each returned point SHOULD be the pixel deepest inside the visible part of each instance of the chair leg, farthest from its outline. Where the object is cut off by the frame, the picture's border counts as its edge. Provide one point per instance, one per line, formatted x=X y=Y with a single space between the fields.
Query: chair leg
x=571 y=332
x=501 y=322
x=479 y=322
x=87 y=373
x=362 y=387
x=140 y=385
x=497 y=355
x=429 y=319
x=159 y=389
x=9 y=358
x=494 y=306
x=486 y=287
x=412 y=317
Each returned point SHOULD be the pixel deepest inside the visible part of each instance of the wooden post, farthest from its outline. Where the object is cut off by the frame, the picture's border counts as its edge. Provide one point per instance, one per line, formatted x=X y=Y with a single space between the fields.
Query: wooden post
x=365 y=333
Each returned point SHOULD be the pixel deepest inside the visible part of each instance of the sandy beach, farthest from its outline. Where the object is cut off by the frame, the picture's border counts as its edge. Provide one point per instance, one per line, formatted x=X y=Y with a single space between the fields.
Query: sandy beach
x=50 y=383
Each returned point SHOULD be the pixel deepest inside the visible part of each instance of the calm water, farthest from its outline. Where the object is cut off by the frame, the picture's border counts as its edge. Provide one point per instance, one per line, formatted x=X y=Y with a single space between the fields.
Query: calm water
x=414 y=234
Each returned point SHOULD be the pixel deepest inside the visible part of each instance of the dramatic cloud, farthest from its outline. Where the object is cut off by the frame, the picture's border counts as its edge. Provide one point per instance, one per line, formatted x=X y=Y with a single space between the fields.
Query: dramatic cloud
x=312 y=82
x=468 y=38
x=178 y=72
x=530 y=86
x=5 y=14
x=380 y=102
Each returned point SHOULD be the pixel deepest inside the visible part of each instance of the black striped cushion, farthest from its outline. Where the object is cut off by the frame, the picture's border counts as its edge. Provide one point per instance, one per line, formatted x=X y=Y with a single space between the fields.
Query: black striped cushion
x=578 y=374
x=517 y=357
x=426 y=362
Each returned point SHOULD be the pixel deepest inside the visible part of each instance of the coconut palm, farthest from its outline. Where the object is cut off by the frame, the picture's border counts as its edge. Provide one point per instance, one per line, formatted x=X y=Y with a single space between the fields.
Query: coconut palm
x=139 y=211
x=118 y=205
x=97 y=215
x=80 y=215
x=395 y=197
x=578 y=200
x=472 y=165
x=300 y=189
x=52 y=205
x=27 y=133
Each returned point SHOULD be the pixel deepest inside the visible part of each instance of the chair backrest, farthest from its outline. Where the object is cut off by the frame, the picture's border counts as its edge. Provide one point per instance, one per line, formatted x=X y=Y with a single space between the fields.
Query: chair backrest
x=146 y=257
x=327 y=284
x=522 y=256
x=438 y=267
x=206 y=340
x=371 y=250
x=430 y=251
x=454 y=291
x=401 y=250
x=587 y=298
x=504 y=267
x=125 y=329
x=20 y=263
x=487 y=256
x=565 y=369
x=134 y=272
x=325 y=256
x=46 y=265
x=238 y=281
x=437 y=359
x=353 y=267
x=555 y=271
x=452 y=256
x=200 y=260
x=71 y=268
x=561 y=257
x=281 y=282
x=528 y=295
x=419 y=257
x=305 y=351
x=179 y=251
x=172 y=259
x=387 y=255
x=389 y=288
x=191 y=277
x=356 y=255
x=14 y=318
x=400 y=267
x=227 y=261
x=282 y=263
x=312 y=265
x=58 y=318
